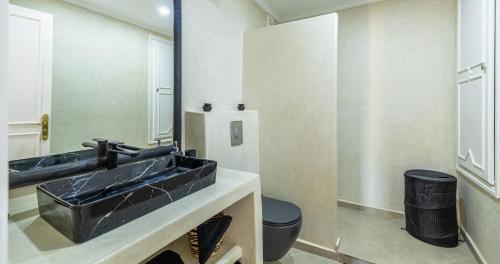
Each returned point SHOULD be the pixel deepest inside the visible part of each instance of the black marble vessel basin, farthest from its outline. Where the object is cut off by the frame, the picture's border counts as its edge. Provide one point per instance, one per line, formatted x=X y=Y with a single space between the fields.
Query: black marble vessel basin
x=91 y=204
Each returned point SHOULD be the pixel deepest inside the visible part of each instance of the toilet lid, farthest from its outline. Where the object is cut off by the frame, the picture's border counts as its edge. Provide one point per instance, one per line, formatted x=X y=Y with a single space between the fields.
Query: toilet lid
x=279 y=213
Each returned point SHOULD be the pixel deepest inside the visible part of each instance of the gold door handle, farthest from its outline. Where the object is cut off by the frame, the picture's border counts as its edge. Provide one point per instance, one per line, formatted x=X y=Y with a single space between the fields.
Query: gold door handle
x=45 y=127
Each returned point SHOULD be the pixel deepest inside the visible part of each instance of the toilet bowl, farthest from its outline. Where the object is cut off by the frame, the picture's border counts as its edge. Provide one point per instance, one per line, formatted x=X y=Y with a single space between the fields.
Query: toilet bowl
x=281 y=226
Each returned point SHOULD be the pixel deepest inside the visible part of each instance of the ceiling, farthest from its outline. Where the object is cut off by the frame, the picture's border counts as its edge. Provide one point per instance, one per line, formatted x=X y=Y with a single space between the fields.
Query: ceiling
x=288 y=10
x=143 y=13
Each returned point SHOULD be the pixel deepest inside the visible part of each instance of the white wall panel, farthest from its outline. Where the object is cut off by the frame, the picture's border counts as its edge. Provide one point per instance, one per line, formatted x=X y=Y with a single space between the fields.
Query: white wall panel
x=290 y=77
x=476 y=96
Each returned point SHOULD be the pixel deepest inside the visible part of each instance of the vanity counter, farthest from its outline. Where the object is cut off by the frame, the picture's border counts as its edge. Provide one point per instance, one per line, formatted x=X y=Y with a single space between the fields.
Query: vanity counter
x=32 y=240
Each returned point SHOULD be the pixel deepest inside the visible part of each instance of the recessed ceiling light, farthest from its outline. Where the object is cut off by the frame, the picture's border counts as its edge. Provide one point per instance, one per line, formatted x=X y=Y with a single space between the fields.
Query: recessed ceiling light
x=164 y=11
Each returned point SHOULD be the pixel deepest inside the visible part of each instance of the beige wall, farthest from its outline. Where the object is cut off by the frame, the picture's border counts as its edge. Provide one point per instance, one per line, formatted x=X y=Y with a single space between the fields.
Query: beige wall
x=396 y=96
x=213 y=50
x=480 y=214
x=100 y=77
x=290 y=77
x=396 y=114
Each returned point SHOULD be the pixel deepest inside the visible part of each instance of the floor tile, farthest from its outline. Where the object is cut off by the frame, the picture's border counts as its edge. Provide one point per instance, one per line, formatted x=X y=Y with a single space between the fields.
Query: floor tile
x=380 y=239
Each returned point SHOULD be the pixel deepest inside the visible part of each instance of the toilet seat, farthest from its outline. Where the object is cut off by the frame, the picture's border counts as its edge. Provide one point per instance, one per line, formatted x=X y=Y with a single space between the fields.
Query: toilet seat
x=279 y=213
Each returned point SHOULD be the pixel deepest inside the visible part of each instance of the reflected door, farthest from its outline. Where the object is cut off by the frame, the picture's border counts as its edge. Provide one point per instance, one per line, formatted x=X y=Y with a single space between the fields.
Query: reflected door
x=162 y=89
x=30 y=81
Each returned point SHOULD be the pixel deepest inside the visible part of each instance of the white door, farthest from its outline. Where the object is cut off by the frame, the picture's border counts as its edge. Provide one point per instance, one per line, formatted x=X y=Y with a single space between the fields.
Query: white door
x=30 y=82
x=476 y=26
x=161 y=87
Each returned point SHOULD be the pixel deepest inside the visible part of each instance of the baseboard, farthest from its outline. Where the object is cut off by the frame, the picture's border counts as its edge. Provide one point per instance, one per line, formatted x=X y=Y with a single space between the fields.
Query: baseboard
x=315 y=249
x=371 y=210
x=325 y=252
x=473 y=247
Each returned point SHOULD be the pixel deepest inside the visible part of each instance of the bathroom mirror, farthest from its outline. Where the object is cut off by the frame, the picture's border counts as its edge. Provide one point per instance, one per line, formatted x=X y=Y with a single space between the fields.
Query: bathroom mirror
x=83 y=69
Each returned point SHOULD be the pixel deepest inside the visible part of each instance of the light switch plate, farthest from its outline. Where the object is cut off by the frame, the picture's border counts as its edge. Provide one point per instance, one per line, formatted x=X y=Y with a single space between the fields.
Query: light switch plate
x=236 y=133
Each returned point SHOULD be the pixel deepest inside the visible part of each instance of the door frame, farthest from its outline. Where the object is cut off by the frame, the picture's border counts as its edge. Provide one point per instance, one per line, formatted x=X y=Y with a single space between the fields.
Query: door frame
x=46 y=56
x=4 y=176
x=497 y=102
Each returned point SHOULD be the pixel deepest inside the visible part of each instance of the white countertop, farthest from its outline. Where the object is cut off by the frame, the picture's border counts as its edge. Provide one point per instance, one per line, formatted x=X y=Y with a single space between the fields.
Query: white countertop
x=32 y=240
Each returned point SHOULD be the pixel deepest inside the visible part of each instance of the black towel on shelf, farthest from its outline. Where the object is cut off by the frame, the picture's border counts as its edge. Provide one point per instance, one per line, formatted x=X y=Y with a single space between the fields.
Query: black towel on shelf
x=167 y=257
x=209 y=234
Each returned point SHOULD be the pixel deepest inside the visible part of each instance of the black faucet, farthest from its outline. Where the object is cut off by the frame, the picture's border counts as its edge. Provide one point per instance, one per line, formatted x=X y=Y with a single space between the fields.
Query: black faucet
x=101 y=146
x=107 y=151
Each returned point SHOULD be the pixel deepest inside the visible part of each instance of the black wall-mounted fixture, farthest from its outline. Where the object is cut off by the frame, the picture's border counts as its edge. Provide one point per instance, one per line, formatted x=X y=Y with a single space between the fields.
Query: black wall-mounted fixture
x=207 y=107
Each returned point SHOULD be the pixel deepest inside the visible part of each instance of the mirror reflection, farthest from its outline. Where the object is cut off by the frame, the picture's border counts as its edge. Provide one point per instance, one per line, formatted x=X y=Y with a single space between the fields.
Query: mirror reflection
x=82 y=69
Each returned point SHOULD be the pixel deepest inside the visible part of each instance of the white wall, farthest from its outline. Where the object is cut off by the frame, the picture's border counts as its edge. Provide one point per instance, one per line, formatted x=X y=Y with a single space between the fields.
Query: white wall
x=4 y=15
x=290 y=77
x=213 y=50
x=396 y=96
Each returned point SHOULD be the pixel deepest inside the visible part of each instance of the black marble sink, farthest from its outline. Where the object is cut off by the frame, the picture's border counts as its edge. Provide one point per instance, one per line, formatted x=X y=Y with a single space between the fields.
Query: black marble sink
x=88 y=205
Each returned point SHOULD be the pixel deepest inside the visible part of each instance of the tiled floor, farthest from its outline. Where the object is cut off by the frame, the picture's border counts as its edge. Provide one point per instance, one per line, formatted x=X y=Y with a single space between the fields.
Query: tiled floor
x=296 y=256
x=381 y=240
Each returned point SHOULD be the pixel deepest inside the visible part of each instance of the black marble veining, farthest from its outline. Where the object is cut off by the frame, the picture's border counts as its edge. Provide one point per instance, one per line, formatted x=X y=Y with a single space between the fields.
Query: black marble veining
x=51 y=160
x=41 y=169
x=90 y=204
x=34 y=170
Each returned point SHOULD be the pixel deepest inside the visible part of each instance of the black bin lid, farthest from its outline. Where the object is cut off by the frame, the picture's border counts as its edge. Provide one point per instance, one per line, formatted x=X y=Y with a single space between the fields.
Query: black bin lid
x=428 y=175
x=279 y=213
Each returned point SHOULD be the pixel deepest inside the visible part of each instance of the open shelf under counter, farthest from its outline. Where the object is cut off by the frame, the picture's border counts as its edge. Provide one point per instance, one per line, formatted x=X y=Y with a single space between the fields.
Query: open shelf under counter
x=228 y=254
x=32 y=240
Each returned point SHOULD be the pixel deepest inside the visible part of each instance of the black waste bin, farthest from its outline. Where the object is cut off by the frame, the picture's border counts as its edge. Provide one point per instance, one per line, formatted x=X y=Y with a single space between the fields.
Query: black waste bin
x=430 y=207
